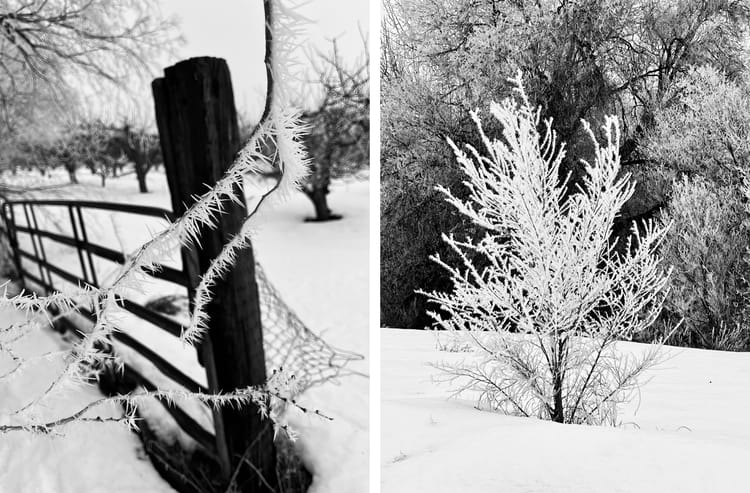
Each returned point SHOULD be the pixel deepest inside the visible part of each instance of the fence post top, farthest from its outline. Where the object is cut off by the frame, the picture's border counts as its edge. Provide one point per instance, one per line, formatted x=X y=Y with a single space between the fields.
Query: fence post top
x=193 y=62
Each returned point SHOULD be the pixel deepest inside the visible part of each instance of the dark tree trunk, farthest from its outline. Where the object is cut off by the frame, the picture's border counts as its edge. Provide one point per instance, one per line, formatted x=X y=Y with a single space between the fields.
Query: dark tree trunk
x=140 y=173
x=558 y=413
x=558 y=371
x=135 y=151
x=319 y=198
x=72 y=174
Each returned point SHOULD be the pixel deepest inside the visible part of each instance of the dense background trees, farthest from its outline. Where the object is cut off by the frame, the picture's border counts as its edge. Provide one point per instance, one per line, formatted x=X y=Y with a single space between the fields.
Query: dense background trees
x=581 y=59
x=701 y=140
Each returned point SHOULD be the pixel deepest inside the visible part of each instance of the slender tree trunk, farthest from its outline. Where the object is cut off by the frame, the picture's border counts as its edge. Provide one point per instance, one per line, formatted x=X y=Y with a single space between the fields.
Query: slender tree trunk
x=140 y=172
x=558 y=414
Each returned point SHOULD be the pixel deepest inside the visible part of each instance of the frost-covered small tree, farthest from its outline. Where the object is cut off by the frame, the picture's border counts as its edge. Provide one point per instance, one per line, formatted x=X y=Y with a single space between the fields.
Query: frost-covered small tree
x=544 y=295
x=582 y=59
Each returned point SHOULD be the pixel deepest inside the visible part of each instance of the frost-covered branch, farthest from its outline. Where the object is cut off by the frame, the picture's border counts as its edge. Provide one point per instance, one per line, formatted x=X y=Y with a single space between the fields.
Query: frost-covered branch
x=272 y=399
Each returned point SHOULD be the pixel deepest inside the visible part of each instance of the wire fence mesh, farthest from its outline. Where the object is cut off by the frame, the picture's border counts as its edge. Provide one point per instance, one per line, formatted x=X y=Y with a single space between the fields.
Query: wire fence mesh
x=290 y=345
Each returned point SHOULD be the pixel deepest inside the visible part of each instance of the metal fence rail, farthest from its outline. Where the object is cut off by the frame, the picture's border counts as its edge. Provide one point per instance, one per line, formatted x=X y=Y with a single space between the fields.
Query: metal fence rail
x=86 y=250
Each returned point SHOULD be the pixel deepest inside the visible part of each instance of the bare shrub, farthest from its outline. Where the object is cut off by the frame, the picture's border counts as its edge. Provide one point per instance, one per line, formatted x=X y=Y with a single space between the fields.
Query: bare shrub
x=707 y=246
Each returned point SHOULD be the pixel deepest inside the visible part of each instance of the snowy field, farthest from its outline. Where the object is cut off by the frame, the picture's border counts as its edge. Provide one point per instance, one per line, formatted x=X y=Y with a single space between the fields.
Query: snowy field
x=689 y=432
x=321 y=271
x=81 y=457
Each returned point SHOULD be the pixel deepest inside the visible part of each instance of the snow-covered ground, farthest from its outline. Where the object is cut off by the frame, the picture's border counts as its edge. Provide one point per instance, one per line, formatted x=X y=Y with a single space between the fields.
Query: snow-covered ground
x=689 y=432
x=81 y=457
x=321 y=271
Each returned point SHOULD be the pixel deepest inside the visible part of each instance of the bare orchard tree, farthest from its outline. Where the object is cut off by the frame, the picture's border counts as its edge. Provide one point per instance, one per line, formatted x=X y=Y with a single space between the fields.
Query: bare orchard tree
x=81 y=144
x=543 y=295
x=66 y=153
x=339 y=129
x=140 y=147
x=92 y=146
x=47 y=47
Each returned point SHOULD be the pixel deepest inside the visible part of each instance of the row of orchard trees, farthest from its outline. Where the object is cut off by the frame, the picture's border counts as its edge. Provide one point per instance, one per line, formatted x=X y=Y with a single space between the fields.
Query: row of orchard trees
x=674 y=72
x=337 y=137
x=61 y=60
x=105 y=150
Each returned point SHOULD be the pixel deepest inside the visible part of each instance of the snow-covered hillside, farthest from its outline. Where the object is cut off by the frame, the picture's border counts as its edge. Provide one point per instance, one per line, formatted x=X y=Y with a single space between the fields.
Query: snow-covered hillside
x=321 y=271
x=688 y=432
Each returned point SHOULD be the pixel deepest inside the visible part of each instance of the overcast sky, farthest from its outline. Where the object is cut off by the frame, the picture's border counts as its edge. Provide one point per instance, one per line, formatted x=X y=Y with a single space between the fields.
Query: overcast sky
x=233 y=30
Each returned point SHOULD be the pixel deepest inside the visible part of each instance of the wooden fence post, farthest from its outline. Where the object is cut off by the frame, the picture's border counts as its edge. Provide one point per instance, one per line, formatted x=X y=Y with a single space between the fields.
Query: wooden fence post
x=197 y=123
